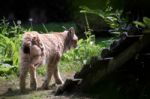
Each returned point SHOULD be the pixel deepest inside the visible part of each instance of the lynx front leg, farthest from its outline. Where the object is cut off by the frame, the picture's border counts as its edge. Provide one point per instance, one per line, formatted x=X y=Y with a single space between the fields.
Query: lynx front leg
x=33 y=80
x=57 y=76
x=50 y=71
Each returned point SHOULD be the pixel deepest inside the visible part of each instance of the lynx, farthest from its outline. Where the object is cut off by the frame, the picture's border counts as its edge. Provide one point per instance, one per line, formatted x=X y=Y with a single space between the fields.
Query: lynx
x=38 y=49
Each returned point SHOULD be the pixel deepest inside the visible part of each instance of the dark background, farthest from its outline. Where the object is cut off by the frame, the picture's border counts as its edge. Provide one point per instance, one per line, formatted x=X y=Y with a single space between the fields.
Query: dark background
x=44 y=11
x=38 y=10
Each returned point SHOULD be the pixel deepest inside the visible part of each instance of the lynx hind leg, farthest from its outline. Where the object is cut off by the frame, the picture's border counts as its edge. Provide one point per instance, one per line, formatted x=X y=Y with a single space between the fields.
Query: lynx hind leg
x=22 y=77
x=57 y=76
x=33 y=79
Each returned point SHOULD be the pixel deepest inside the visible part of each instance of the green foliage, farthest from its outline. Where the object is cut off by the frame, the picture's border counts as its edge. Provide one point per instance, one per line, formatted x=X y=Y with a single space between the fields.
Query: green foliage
x=74 y=59
x=144 y=24
x=146 y=21
x=9 y=48
x=111 y=17
x=87 y=48
x=10 y=30
x=41 y=70
x=10 y=42
x=6 y=70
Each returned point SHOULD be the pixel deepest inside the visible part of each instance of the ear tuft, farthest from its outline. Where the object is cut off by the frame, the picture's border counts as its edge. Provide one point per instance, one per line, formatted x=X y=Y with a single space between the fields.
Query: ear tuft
x=71 y=31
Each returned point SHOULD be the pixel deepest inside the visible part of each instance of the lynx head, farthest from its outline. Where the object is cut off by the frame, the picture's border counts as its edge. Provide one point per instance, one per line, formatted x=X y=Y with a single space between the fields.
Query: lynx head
x=71 y=40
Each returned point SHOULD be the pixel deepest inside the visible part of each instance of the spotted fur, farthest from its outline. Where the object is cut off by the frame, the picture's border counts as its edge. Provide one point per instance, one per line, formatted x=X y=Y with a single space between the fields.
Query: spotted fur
x=38 y=49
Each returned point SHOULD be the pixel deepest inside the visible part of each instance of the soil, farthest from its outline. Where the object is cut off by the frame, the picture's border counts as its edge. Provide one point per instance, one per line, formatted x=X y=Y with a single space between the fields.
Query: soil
x=9 y=89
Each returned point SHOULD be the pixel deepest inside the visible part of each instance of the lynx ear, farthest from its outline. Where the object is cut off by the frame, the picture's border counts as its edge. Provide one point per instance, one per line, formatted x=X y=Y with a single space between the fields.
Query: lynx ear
x=71 y=31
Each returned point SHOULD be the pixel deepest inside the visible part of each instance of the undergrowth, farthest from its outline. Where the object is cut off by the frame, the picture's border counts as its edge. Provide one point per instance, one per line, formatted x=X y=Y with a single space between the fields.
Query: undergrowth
x=10 y=42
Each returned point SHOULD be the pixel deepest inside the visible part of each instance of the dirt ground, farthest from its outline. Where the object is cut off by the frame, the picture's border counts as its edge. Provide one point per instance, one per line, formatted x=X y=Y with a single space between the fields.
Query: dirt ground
x=9 y=89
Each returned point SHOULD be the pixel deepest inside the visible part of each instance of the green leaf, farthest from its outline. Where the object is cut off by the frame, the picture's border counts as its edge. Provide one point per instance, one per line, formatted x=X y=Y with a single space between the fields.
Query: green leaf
x=139 y=23
x=146 y=20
